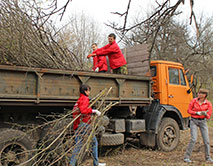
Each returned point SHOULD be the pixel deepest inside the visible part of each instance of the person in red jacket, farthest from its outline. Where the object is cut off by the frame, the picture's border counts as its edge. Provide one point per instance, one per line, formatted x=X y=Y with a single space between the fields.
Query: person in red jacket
x=116 y=58
x=99 y=62
x=200 y=109
x=82 y=125
x=95 y=62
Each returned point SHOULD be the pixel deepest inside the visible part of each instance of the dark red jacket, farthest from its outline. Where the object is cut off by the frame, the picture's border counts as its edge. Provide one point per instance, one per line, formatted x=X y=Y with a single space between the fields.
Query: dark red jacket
x=83 y=106
x=116 y=58
x=194 y=107
x=100 y=62
x=95 y=62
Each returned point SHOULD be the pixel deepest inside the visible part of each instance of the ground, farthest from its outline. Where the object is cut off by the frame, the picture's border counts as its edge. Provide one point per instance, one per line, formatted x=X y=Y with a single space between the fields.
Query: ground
x=132 y=155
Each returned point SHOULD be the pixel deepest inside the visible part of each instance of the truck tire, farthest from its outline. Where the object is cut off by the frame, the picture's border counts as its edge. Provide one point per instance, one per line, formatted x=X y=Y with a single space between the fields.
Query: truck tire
x=168 y=135
x=51 y=132
x=15 y=147
x=108 y=139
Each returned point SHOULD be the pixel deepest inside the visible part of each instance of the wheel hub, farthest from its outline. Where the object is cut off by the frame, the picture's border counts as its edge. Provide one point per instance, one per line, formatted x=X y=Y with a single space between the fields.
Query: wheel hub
x=10 y=156
x=169 y=135
x=13 y=154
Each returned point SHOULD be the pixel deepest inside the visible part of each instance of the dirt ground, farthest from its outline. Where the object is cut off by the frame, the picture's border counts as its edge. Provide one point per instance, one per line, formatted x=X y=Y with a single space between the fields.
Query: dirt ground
x=131 y=154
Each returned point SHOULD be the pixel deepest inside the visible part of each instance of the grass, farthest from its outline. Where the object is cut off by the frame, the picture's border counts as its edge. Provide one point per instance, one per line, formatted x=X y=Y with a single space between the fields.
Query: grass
x=210 y=123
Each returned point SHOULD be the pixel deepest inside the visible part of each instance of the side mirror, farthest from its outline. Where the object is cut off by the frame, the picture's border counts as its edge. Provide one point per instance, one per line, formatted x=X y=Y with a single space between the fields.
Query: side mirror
x=192 y=84
x=189 y=91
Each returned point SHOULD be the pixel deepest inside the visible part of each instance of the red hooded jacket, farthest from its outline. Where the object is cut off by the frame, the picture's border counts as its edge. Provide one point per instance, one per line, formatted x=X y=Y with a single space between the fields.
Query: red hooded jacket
x=116 y=58
x=83 y=105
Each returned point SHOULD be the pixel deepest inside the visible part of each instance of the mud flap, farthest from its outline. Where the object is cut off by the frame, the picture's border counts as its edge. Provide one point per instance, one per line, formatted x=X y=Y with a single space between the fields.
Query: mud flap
x=153 y=116
x=148 y=139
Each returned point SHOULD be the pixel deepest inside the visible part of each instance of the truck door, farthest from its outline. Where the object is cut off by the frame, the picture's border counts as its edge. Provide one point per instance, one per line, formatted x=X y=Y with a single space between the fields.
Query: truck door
x=177 y=90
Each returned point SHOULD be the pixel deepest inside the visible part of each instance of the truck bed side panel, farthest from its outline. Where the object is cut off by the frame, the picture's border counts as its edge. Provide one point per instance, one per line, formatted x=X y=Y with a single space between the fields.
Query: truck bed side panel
x=27 y=86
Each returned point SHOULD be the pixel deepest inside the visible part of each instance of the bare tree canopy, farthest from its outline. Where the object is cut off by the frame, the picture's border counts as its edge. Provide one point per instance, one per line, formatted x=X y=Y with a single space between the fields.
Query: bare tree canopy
x=29 y=40
x=163 y=11
x=29 y=37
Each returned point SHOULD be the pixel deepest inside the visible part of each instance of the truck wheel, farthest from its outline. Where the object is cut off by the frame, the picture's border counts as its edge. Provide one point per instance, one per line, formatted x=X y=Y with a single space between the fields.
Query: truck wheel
x=15 y=147
x=51 y=132
x=168 y=135
x=108 y=139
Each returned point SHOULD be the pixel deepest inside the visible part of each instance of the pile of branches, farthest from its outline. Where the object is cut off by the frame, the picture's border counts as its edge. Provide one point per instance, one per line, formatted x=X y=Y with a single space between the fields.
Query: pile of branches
x=58 y=139
x=28 y=39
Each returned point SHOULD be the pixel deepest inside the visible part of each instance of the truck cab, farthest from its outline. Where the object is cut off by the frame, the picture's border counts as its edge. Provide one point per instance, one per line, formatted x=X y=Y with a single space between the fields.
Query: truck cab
x=167 y=114
x=170 y=85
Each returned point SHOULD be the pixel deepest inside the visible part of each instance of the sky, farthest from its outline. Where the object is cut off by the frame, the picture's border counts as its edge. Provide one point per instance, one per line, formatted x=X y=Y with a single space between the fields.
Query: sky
x=100 y=10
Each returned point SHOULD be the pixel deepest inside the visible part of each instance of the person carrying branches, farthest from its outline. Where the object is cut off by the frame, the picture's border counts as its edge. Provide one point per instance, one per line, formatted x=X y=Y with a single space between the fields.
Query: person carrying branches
x=82 y=126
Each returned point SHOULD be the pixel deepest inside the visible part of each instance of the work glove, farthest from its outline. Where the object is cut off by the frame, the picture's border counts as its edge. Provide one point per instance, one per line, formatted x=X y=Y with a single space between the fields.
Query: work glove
x=204 y=113
x=96 y=112
x=97 y=69
x=199 y=113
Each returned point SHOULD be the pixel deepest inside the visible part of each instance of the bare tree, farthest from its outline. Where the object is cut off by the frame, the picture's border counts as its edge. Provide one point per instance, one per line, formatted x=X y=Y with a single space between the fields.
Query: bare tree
x=176 y=41
x=29 y=38
x=164 y=10
x=45 y=9
x=29 y=42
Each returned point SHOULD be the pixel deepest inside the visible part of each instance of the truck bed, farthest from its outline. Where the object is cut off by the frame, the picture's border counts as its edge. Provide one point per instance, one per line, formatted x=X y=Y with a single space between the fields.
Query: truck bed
x=39 y=86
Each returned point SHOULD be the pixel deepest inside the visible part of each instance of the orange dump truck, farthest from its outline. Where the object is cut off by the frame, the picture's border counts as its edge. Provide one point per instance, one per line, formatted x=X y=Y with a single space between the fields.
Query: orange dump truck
x=152 y=107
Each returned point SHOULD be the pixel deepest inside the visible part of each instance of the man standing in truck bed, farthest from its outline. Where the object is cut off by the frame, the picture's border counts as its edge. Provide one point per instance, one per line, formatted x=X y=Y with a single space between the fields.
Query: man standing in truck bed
x=116 y=58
